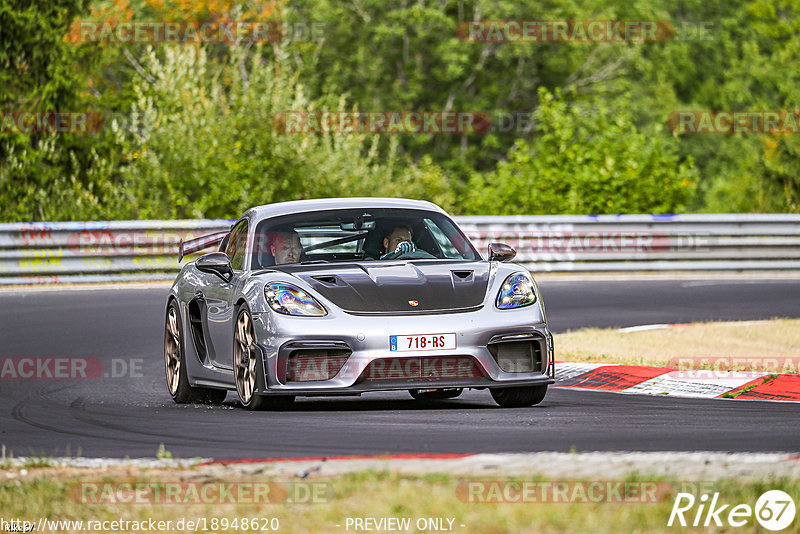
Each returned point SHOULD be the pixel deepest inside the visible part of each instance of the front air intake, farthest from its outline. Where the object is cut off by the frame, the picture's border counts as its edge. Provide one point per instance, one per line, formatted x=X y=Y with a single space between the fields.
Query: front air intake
x=313 y=365
x=518 y=356
x=309 y=361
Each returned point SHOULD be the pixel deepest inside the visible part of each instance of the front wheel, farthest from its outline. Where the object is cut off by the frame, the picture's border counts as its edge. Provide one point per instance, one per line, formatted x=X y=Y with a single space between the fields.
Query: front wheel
x=519 y=397
x=175 y=365
x=247 y=368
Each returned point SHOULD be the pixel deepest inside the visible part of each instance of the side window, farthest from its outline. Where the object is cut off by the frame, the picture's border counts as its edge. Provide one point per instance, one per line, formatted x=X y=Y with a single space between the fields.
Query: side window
x=237 y=242
x=224 y=245
x=442 y=240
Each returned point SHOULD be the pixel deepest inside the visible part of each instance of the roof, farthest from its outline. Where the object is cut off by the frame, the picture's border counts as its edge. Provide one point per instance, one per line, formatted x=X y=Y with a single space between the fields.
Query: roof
x=299 y=206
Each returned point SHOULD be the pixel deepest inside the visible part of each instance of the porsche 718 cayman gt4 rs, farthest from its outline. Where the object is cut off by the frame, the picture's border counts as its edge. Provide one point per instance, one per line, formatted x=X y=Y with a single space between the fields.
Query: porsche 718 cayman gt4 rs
x=346 y=296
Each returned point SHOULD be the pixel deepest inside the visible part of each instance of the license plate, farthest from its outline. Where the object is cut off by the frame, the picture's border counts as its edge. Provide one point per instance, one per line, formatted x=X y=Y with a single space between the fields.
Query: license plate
x=417 y=342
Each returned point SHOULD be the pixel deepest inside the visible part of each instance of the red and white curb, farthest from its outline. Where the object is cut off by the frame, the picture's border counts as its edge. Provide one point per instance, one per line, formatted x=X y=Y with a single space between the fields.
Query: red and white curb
x=741 y=385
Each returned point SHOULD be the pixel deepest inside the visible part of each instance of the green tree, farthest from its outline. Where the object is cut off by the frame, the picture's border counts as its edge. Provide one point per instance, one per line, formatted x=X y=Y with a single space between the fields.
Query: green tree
x=189 y=128
x=204 y=138
x=46 y=176
x=584 y=160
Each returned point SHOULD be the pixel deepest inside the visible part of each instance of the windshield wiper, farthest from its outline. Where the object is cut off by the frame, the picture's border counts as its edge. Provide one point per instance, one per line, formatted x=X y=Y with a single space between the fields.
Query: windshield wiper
x=309 y=262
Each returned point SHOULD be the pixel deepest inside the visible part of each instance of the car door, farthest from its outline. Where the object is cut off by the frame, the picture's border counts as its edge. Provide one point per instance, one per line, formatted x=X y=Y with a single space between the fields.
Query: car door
x=219 y=300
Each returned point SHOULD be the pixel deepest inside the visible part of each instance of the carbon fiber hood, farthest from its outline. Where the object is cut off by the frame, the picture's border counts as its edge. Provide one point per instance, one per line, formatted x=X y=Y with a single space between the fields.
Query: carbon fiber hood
x=398 y=287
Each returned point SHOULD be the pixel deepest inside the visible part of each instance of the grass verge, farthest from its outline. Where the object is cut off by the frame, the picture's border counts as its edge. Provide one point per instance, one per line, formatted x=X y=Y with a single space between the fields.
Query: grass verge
x=770 y=346
x=365 y=495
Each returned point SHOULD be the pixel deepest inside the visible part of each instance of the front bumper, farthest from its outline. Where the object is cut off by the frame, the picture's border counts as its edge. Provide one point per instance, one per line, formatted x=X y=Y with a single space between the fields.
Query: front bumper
x=363 y=340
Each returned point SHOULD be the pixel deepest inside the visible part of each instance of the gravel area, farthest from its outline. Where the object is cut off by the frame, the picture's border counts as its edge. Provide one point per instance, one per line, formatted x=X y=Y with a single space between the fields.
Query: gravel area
x=549 y=465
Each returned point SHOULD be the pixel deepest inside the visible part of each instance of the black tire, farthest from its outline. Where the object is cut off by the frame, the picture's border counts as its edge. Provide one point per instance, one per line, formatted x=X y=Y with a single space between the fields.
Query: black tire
x=213 y=396
x=277 y=403
x=175 y=356
x=438 y=394
x=519 y=397
x=247 y=368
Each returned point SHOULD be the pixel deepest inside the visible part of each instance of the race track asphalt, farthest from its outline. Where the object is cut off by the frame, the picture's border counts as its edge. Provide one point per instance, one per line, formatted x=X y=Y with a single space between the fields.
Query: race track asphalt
x=133 y=414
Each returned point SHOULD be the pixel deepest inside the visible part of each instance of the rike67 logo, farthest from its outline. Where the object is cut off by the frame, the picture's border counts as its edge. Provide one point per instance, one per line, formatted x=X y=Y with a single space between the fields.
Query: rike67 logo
x=774 y=510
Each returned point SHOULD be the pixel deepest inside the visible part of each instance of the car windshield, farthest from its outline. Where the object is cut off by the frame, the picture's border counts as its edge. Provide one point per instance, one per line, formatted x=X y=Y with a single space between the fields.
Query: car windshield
x=358 y=235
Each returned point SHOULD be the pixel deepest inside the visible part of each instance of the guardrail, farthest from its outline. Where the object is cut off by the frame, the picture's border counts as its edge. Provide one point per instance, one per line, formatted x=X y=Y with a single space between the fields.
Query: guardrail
x=75 y=252
x=603 y=243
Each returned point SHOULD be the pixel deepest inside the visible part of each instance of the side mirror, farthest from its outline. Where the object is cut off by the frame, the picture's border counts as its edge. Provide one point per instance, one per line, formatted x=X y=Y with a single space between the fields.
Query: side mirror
x=501 y=252
x=215 y=263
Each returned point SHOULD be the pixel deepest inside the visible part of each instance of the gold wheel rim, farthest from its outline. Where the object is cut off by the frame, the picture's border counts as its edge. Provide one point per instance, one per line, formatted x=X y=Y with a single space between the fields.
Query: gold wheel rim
x=172 y=351
x=244 y=362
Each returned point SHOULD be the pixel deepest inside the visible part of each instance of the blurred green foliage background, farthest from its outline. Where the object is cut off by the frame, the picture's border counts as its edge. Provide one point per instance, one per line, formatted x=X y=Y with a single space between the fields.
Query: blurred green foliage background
x=190 y=129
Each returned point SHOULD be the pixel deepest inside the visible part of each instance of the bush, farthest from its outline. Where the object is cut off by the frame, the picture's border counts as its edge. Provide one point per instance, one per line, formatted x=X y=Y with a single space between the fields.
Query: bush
x=202 y=141
x=587 y=161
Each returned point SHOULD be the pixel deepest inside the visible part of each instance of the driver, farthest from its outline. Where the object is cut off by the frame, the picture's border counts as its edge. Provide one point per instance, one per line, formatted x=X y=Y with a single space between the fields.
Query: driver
x=286 y=247
x=397 y=242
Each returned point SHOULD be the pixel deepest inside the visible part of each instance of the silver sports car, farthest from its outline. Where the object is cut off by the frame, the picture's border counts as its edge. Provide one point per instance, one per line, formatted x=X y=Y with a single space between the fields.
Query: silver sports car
x=344 y=296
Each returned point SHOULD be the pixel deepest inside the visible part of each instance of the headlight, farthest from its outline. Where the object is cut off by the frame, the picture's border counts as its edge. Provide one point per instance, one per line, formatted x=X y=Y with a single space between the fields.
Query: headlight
x=291 y=300
x=517 y=292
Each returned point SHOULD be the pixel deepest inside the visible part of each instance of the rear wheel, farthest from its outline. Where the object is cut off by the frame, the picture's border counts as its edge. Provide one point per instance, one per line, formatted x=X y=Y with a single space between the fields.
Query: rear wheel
x=519 y=396
x=435 y=394
x=247 y=369
x=175 y=365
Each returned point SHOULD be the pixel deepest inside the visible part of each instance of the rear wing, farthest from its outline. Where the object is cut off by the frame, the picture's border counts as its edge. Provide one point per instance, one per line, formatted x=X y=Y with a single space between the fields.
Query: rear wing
x=197 y=244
